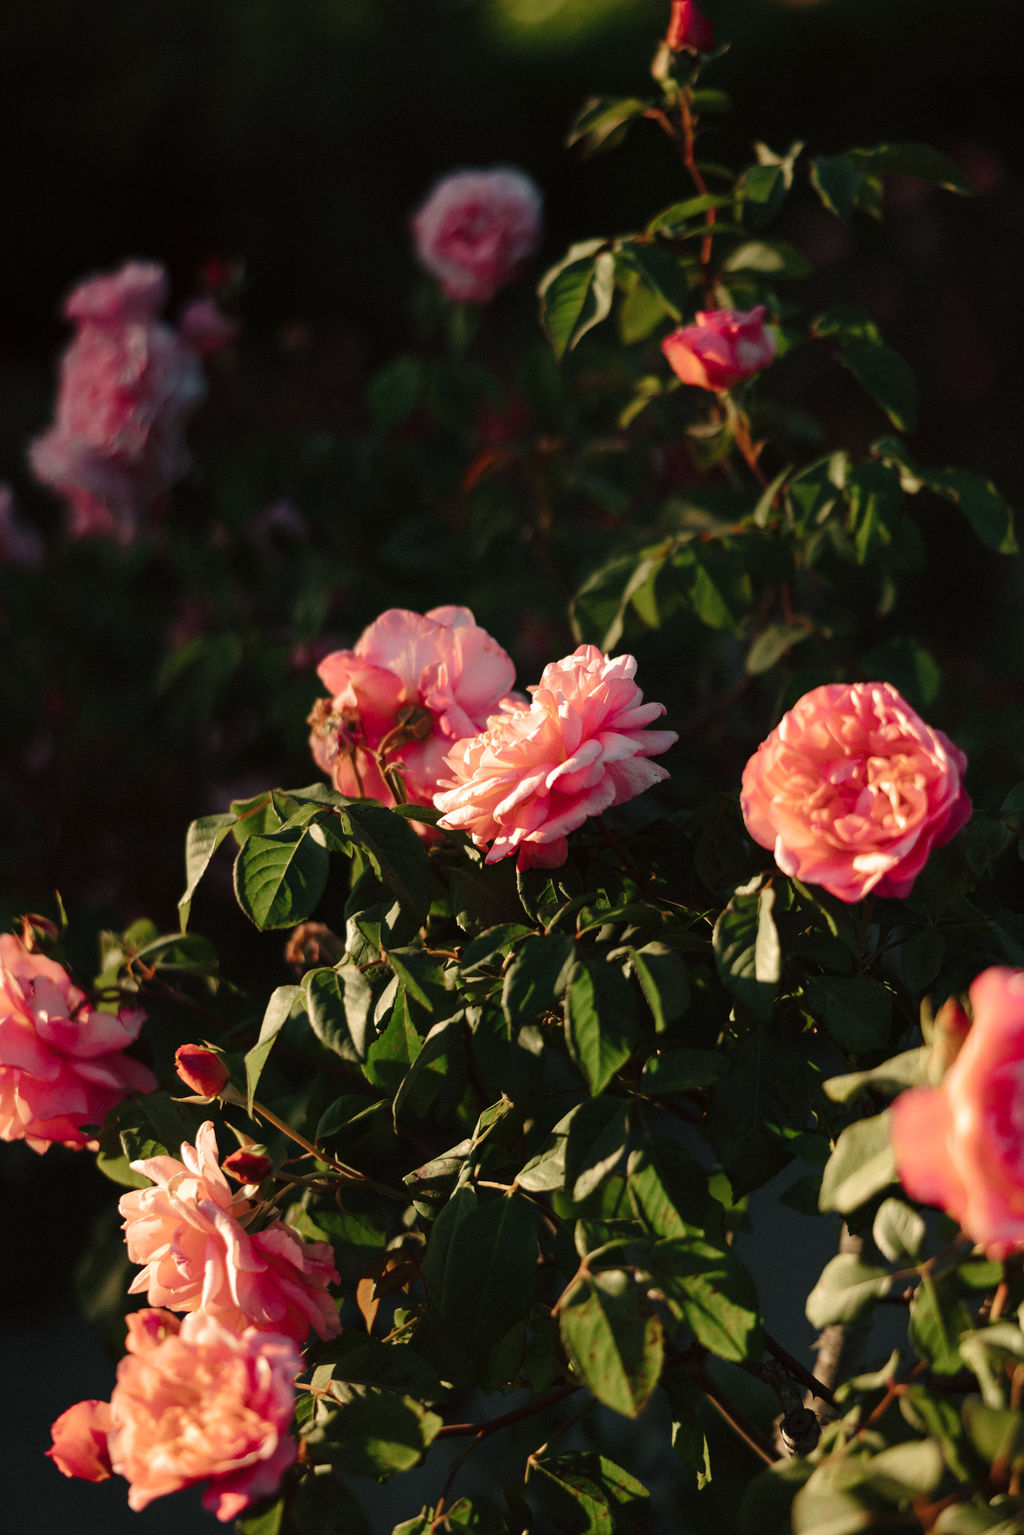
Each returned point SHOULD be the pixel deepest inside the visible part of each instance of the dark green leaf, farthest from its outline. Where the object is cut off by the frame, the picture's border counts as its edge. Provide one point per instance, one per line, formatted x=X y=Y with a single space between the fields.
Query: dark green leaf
x=837 y=182
x=599 y=1022
x=746 y=944
x=327 y=1000
x=989 y=514
x=280 y=878
x=661 y=272
x=664 y=983
x=481 y=1265
x=887 y=378
x=862 y=1164
x=918 y=160
x=577 y=294
x=395 y=852
x=202 y=840
x=613 y=1339
x=395 y=391
x=937 y=1319
x=595 y=1144
x=855 y=1010
x=374 y=1432
x=846 y=1289
x=711 y=1290
x=600 y=120
x=535 y=981
x=278 y=1010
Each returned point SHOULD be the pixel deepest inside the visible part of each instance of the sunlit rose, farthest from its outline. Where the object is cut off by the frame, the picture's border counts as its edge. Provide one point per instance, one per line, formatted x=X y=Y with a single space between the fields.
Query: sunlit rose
x=723 y=347
x=539 y=771
x=852 y=791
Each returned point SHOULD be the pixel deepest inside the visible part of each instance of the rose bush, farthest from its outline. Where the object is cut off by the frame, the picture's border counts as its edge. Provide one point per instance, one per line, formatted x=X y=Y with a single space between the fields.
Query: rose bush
x=852 y=791
x=537 y=773
x=721 y=349
x=62 y=1062
x=476 y=229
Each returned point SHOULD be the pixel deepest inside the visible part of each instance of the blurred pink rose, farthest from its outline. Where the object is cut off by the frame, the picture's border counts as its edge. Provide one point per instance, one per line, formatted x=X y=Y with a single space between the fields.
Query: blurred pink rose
x=62 y=1062
x=127 y=386
x=539 y=771
x=79 y=1445
x=959 y=1145
x=724 y=347
x=688 y=27
x=476 y=229
x=206 y=328
x=192 y=1403
x=413 y=686
x=189 y=1230
x=852 y=791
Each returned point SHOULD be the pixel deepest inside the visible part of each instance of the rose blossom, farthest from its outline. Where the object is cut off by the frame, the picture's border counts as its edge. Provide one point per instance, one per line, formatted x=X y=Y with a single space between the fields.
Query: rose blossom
x=201 y=1069
x=724 y=347
x=852 y=790
x=475 y=230
x=127 y=385
x=413 y=686
x=959 y=1145
x=688 y=27
x=62 y=1062
x=540 y=770
x=189 y=1230
x=193 y=1402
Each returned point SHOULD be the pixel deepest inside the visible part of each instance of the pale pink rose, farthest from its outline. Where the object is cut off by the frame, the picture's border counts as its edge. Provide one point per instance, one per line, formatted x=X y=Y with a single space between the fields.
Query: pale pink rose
x=79 y=1445
x=539 y=771
x=127 y=385
x=189 y=1230
x=413 y=685
x=62 y=1062
x=724 y=347
x=852 y=791
x=476 y=229
x=959 y=1145
x=689 y=28
x=193 y=1403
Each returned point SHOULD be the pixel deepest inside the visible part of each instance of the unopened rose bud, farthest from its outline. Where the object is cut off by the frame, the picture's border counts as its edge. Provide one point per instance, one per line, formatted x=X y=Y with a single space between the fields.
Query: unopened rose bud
x=689 y=28
x=201 y=1069
x=247 y=1166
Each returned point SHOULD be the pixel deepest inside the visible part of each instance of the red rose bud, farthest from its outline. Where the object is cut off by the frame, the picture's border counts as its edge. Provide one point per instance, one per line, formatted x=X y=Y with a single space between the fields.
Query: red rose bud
x=201 y=1069
x=247 y=1166
x=689 y=28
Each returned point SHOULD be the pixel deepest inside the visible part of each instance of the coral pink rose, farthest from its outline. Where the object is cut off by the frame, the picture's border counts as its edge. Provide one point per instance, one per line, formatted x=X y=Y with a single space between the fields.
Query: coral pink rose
x=189 y=1230
x=723 y=348
x=192 y=1403
x=127 y=385
x=539 y=771
x=688 y=27
x=80 y=1441
x=959 y=1145
x=62 y=1062
x=852 y=791
x=413 y=686
x=476 y=229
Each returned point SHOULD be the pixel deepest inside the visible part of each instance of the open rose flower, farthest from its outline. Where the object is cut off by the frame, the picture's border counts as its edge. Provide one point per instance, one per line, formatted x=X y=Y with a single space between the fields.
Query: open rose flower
x=689 y=28
x=127 y=385
x=852 y=791
x=62 y=1062
x=413 y=685
x=724 y=347
x=959 y=1145
x=476 y=229
x=539 y=771
x=189 y=1230
x=193 y=1403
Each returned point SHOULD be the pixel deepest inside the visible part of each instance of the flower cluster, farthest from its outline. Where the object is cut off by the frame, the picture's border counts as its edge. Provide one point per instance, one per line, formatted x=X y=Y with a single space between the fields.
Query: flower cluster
x=476 y=229
x=127 y=386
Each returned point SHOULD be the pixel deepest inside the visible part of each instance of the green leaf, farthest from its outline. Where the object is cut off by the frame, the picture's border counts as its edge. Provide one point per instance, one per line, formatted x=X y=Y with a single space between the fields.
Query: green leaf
x=988 y=512
x=711 y=1290
x=394 y=851
x=202 y=840
x=837 y=182
x=577 y=294
x=910 y=159
x=270 y=1521
x=855 y=1010
x=600 y=606
x=439 y=1059
x=667 y=1187
x=890 y=1078
x=664 y=983
x=898 y=1231
x=861 y=1165
x=937 y=1319
x=746 y=944
x=395 y=391
x=661 y=273
x=280 y=878
x=375 y=1432
x=846 y=1289
x=595 y=1143
x=599 y=1022
x=395 y=1048
x=583 y=1493
x=535 y=981
x=613 y=1339
x=274 y=1019
x=602 y=120
x=771 y=645
x=326 y=1003
x=888 y=378
x=481 y=1266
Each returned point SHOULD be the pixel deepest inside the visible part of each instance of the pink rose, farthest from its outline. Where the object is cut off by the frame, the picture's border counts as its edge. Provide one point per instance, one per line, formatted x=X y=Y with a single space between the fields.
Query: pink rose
x=192 y=1403
x=539 y=771
x=852 y=790
x=959 y=1145
x=723 y=348
x=127 y=385
x=79 y=1445
x=62 y=1062
x=688 y=27
x=201 y=1069
x=189 y=1230
x=413 y=686
x=476 y=229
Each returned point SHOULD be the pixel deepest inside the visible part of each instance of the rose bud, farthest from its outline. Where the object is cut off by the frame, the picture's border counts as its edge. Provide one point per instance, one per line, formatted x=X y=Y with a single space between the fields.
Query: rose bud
x=201 y=1069
x=247 y=1166
x=689 y=28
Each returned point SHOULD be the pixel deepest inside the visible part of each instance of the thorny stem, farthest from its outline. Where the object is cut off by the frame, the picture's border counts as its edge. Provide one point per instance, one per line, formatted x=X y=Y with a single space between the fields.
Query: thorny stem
x=737 y=1420
x=517 y=1414
x=799 y=1371
x=741 y=437
x=351 y=1173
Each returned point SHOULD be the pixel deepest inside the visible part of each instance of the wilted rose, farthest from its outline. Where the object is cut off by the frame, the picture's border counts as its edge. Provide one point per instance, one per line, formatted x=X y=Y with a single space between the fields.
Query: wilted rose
x=413 y=685
x=723 y=347
x=959 y=1145
x=189 y=1230
x=852 y=791
x=62 y=1061
x=476 y=229
x=539 y=771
